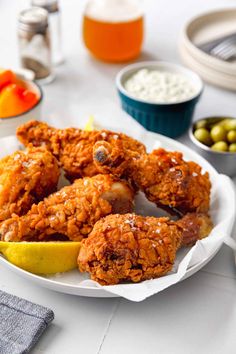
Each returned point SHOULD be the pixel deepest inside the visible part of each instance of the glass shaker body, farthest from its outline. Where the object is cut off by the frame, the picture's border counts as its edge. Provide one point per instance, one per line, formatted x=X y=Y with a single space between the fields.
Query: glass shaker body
x=53 y=9
x=113 y=29
x=34 y=43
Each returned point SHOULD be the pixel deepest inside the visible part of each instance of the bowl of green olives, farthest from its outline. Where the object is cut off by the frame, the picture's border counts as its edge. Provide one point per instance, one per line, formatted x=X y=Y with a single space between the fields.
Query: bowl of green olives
x=215 y=139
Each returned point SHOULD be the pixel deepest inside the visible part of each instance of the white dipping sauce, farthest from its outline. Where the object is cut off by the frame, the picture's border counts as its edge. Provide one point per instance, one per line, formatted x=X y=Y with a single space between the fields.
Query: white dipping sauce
x=159 y=86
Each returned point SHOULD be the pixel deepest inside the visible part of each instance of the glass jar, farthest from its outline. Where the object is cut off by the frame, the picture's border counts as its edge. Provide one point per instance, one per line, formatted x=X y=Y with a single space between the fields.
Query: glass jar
x=52 y=6
x=34 y=43
x=113 y=29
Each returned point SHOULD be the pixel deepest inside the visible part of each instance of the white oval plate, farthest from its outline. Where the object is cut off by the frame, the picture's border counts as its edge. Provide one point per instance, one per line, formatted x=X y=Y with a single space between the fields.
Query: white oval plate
x=69 y=282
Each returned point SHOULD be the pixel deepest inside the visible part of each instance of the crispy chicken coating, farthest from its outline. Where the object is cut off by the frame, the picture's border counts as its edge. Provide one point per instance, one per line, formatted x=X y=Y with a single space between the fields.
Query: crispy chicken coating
x=171 y=182
x=168 y=180
x=165 y=177
x=26 y=177
x=132 y=248
x=74 y=147
x=70 y=212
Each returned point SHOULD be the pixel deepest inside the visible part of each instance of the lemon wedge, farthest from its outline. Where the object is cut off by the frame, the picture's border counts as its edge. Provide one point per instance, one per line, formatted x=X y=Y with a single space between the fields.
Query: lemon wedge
x=89 y=126
x=42 y=257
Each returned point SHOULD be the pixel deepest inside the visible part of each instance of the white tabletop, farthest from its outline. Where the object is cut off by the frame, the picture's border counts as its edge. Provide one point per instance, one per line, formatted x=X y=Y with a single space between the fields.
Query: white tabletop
x=195 y=316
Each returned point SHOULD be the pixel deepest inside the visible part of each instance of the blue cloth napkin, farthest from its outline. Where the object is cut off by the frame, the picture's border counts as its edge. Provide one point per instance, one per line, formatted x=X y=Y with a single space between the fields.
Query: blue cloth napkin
x=21 y=323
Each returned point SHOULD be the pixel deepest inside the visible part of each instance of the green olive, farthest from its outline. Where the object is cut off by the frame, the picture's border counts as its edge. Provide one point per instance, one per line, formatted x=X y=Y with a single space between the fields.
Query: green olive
x=220 y=146
x=230 y=124
x=215 y=121
x=231 y=136
x=224 y=120
x=232 y=147
x=218 y=133
x=201 y=124
x=203 y=136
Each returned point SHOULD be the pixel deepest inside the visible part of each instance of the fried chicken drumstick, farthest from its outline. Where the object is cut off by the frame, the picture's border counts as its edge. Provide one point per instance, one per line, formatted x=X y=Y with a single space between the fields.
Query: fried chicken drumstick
x=26 y=177
x=124 y=248
x=70 y=212
x=74 y=147
x=165 y=177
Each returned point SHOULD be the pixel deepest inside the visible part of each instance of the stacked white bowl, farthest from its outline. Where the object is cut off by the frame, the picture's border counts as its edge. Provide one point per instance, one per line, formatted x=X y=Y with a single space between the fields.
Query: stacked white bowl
x=204 y=29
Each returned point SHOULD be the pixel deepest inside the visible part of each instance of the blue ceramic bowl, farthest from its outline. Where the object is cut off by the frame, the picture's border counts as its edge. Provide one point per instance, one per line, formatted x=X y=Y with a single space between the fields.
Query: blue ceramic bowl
x=170 y=119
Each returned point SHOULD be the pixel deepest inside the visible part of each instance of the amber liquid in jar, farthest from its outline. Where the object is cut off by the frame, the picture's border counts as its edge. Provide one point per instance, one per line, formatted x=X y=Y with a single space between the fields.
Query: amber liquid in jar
x=113 y=41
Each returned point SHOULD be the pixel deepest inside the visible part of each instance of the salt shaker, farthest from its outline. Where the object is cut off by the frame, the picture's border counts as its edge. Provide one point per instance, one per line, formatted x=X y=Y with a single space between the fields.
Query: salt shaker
x=53 y=9
x=34 y=43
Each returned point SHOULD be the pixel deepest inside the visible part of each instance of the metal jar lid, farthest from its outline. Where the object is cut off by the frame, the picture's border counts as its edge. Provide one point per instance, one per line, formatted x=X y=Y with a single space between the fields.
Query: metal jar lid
x=34 y=19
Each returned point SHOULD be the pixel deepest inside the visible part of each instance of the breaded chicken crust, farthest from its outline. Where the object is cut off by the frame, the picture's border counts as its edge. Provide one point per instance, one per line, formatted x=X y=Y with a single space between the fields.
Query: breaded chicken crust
x=133 y=248
x=26 y=177
x=171 y=182
x=74 y=147
x=71 y=212
x=168 y=180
